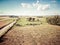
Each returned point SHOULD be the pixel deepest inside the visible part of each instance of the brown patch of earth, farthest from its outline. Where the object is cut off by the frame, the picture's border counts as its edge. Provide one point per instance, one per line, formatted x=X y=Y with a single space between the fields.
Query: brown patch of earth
x=33 y=35
x=2 y=23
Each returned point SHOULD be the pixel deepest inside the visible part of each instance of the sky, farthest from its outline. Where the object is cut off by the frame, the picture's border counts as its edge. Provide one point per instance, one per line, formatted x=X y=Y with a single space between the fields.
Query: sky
x=29 y=7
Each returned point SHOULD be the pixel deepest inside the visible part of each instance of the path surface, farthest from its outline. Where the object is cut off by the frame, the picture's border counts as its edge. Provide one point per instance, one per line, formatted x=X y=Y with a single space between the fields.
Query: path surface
x=32 y=35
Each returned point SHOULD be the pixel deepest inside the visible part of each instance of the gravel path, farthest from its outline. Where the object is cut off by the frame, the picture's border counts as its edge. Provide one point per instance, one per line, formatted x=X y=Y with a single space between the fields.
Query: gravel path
x=32 y=35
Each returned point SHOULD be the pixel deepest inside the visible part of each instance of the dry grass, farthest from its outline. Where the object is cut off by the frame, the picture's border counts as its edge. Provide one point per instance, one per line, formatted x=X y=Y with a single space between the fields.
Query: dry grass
x=5 y=22
x=33 y=35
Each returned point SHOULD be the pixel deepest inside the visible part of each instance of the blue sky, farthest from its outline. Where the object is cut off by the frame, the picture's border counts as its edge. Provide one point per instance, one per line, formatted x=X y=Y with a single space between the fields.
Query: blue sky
x=29 y=7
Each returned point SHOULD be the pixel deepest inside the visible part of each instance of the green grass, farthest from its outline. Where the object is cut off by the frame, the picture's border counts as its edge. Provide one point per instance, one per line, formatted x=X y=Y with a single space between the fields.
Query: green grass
x=24 y=22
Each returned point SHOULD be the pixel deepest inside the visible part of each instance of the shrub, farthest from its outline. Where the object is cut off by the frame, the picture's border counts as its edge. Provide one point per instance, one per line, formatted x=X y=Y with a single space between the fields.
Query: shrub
x=18 y=25
x=31 y=19
x=55 y=20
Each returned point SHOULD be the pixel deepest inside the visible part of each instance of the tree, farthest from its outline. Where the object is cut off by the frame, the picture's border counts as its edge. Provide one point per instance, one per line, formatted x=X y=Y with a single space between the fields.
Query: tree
x=55 y=20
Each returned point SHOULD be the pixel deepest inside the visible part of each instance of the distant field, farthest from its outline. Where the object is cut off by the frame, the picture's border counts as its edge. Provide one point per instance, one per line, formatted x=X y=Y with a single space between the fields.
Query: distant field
x=1 y=18
x=5 y=21
x=24 y=22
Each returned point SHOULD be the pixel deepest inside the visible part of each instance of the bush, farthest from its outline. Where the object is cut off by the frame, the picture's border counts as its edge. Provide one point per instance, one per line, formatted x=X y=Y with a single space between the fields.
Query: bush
x=55 y=20
x=31 y=19
x=18 y=25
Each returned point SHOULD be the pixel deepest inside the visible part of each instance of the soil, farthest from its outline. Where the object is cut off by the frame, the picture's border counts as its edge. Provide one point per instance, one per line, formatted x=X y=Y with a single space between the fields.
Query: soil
x=32 y=35
x=2 y=23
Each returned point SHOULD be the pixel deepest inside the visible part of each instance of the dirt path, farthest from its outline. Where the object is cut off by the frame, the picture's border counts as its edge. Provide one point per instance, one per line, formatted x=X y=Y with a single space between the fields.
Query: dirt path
x=32 y=35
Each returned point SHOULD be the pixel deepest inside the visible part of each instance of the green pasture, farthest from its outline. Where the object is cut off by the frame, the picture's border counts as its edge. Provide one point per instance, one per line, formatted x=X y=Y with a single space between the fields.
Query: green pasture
x=24 y=22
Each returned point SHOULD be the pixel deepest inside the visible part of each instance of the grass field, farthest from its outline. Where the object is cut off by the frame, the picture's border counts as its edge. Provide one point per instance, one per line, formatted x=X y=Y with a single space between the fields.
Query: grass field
x=23 y=22
x=26 y=32
x=4 y=22
x=33 y=35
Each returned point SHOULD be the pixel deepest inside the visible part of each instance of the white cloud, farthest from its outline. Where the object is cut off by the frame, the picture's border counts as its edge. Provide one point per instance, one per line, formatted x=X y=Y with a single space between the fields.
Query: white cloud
x=41 y=7
x=46 y=7
x=26 y=5
x=37 y=6
x=54 y=1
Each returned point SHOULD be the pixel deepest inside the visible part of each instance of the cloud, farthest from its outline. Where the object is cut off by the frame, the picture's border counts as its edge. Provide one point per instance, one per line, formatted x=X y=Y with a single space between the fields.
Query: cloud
x=37 y=6
x=41 y=6
x=26 y=5
x=46 y=7
x=54 y=1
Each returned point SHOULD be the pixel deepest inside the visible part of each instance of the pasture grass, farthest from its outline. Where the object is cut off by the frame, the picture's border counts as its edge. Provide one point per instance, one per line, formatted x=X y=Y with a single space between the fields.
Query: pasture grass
x=24 y=22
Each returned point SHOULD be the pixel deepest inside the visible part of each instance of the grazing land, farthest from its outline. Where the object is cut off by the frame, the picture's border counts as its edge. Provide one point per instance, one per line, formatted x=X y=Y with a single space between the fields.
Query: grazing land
x=5 y=21
x=29 y=31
